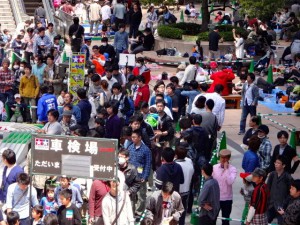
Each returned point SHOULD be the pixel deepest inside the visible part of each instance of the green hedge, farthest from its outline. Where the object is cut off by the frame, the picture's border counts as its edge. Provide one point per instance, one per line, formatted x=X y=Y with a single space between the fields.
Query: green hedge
x=227 y=36
x=166 y=31
x=226 y=32
x=228 y=28
x=188 y=28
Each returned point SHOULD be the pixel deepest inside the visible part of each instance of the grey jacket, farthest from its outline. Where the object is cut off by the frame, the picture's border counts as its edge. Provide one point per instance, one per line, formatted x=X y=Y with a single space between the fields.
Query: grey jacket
x=255 y=93
x=155 y=211
x=210 y=194
x=279 y=188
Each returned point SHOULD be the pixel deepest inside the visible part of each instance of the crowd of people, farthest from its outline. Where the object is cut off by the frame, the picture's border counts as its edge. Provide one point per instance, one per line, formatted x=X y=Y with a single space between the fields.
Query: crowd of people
x=166 y=137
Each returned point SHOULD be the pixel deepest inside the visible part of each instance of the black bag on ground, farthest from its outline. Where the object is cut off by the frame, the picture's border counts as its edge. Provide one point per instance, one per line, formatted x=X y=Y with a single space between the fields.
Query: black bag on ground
x=170 y=51
x=161 y=52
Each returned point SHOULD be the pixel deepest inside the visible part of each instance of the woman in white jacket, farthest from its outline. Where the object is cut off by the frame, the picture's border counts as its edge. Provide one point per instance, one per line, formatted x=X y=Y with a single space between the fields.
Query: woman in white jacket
x=109 y=212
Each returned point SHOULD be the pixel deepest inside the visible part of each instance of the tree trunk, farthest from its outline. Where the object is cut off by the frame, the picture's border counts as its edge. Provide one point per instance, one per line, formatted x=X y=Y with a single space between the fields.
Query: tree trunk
x=205 y=16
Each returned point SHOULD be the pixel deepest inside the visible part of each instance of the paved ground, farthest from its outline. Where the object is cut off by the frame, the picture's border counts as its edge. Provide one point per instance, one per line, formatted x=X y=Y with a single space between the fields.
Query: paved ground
x=231 y=126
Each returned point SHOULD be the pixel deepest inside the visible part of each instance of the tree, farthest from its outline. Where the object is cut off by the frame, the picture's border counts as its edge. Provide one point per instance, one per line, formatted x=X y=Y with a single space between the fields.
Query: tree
x=262 y=9
x=206 y=12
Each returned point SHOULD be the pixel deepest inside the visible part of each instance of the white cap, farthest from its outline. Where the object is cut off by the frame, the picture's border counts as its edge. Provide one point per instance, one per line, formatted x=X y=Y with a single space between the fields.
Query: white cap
x=17 y=96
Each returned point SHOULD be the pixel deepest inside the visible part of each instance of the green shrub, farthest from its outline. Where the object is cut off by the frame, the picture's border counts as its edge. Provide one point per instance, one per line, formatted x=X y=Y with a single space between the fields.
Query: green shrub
x=188 y=28
x=166 y=31
x=203 y=36
x=227 y=36
x=228 y=28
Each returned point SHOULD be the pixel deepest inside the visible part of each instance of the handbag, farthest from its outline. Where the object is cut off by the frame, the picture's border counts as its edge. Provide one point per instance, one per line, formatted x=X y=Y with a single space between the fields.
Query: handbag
x=4 y=207
x=119 y=213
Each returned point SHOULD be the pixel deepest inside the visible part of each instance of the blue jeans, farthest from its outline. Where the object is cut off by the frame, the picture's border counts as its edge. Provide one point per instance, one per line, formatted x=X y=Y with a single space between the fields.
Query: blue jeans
x=247 y=109
x=7 y=96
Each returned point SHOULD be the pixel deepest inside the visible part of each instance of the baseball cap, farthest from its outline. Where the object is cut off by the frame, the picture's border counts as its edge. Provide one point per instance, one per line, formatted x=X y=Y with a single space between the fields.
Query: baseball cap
x=182 y=66
x=263 y=128
x=67 y=113
x=213 y=64
x=17 y=96
x=246 y=176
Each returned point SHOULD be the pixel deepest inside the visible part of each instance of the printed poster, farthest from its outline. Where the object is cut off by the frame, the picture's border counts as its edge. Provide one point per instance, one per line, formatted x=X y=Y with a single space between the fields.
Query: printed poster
x=76 y=79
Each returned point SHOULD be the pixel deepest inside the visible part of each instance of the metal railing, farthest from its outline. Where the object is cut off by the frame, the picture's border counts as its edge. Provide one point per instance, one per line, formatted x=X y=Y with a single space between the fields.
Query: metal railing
x=49 y=11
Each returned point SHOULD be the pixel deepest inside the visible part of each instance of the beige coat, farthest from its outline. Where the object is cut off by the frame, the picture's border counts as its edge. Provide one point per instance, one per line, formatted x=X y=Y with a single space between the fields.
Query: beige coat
x=95 y=10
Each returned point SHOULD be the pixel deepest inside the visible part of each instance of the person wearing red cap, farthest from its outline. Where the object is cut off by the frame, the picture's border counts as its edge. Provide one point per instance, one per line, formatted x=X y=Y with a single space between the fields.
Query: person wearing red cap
x=246 y=192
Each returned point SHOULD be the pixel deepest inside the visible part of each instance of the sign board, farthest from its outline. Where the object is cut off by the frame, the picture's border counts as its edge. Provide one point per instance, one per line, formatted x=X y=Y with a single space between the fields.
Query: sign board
x=73 y=156
x=127 y=59
x=76 y=78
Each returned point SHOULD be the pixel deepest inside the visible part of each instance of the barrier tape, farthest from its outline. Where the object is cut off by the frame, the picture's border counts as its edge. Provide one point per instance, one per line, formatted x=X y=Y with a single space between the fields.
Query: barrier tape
x=280 y=114
x=232 y=219
x=200 y=62
x=142 y=217
x=280 y=124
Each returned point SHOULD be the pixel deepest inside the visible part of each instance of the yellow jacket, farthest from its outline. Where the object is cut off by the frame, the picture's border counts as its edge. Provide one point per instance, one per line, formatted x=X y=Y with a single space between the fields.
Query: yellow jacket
x=29 y=86
x=297 y=106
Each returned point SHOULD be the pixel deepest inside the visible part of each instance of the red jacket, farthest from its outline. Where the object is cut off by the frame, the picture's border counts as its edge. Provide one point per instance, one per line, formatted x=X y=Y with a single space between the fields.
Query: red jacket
x=221 y=77
x=98 y=190
x=146 y=74
x=143 y=95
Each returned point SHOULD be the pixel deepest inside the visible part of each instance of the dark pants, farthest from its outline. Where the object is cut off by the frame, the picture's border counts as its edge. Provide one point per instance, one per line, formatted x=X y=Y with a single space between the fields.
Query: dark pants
x=7 y=96
x=76 y=44
x=117 y=22
x=28 y=56
x=247 y=109
x=25 y=221
x=240 y=23
x=272 y=213
x=134 y=28
x=40 y=193
x=184 y=200
x=225 y=207
x=206 y=220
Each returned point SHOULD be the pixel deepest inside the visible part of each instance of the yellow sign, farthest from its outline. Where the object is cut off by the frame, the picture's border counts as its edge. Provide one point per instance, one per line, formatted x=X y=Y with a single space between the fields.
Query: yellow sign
x=76 y=79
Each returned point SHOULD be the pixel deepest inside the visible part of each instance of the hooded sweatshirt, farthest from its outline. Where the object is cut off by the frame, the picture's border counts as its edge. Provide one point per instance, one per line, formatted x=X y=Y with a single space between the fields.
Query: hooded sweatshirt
x=171 y=172
x=143 y=95
x=221 y=77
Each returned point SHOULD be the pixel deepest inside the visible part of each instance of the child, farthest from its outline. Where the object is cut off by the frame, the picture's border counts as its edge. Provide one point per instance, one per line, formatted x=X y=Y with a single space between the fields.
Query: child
x=17 y=45
x=50 y=219
x=246 y=192
x=13 y=218
x=65 y=184
x=17 y=107
x=104 y=32
x=193 y=12
x=37 y=215
x=49 y=203
x=60 y=98
x=68 y=213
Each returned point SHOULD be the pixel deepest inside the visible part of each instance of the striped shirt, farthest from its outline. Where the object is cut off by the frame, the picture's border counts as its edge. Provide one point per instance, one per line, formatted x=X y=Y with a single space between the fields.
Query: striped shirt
x=259 y=199
x=7 y=80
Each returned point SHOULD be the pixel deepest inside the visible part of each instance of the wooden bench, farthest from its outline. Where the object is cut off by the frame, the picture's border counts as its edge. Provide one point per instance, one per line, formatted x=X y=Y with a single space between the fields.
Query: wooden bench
x=232 y=101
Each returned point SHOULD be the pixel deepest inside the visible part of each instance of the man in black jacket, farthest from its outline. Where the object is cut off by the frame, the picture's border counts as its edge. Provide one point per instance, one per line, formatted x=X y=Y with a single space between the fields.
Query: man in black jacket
x=109 y=49
x=132 y=180
x=148 y=42
x=165 y=131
